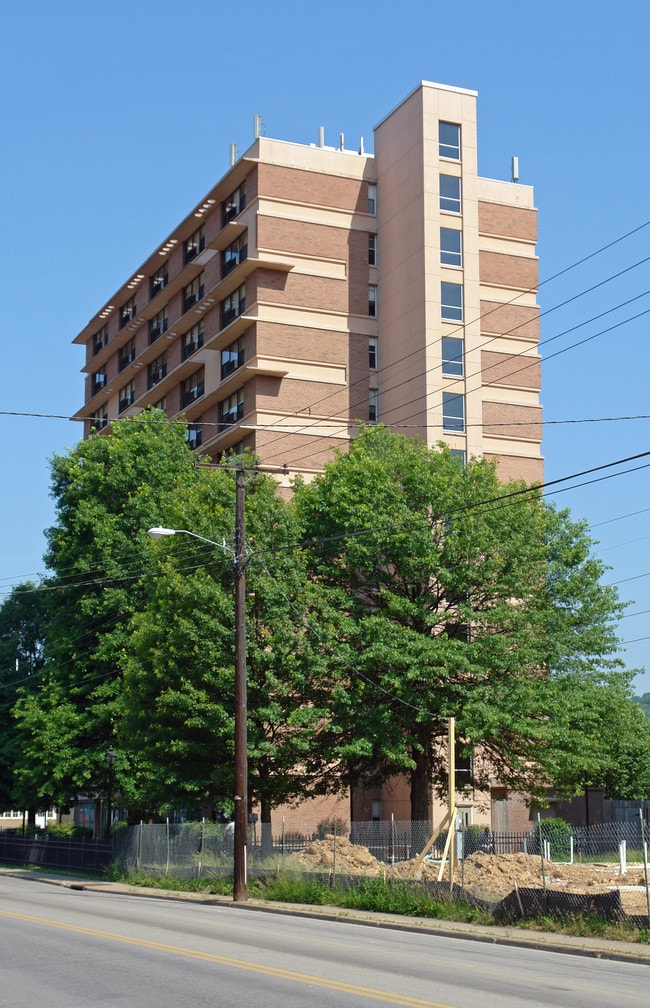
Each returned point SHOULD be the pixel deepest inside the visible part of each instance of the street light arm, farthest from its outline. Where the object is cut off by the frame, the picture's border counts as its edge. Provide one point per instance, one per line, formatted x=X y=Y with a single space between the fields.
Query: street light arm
x=240 y=880
x=160 y=532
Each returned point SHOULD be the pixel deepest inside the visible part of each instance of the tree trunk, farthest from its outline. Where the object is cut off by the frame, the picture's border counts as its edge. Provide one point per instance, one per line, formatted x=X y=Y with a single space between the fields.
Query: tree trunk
x=266 y=826
x=421 y=793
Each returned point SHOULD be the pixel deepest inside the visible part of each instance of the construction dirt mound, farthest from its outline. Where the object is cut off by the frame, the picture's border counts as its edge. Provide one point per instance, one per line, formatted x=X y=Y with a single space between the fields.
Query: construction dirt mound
x=487 y=876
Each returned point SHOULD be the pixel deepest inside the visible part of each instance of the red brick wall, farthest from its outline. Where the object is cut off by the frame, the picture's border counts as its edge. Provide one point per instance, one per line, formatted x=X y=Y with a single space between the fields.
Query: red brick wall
x=508 y=270
x=511 y=420
x=511 y=467
x=510 y=370
x=507 y=221
x=312 y=187
x=521 y=321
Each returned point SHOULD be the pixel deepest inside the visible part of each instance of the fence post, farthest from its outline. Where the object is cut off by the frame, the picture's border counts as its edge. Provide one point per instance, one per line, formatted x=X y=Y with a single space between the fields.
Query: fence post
x=139 y=854
x=541 y=848
x=392 y=845
x=167 y=841
x=200 y=861
x=282 y=838
x=645 y=861
x=334 y=855
x=622 y=857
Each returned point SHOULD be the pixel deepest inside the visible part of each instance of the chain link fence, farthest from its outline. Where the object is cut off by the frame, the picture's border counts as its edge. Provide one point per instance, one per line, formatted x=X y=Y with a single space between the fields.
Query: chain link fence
x=194 y=849
x=205 y=850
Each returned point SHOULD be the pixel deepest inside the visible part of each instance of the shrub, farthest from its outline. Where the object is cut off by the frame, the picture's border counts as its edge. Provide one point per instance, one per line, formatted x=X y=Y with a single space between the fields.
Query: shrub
x=68 y=831
x=558 y=833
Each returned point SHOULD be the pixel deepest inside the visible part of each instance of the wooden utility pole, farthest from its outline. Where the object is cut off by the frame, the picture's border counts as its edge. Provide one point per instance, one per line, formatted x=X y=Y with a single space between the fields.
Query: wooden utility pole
x=240 y=866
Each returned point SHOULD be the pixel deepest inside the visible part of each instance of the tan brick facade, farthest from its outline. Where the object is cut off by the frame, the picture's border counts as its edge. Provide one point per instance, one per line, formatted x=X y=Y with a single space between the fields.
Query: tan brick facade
x=258 y=317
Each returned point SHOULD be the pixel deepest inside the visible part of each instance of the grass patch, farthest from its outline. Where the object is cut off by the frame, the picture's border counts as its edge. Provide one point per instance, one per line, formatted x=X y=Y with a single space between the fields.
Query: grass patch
x=385 y=896
x=588 y=926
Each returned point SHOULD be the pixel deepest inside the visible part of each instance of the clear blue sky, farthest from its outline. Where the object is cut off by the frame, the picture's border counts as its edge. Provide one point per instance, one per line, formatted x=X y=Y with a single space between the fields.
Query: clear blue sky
x=118 y=118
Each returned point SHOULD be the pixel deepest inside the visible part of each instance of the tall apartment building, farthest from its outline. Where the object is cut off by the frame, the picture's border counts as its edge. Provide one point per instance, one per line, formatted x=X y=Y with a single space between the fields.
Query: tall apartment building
x=314 y=287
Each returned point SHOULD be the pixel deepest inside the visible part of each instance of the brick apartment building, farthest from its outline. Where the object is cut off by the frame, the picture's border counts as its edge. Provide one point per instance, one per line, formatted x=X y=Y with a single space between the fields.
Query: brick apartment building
x=316 y=286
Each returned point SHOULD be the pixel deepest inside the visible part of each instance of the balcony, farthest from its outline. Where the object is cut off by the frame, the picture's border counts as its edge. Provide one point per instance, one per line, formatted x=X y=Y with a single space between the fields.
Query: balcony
x=192 y=394
x=156 y=328
x=232 y=208
x=156 y=375
x=157 y=283
x=125 y=359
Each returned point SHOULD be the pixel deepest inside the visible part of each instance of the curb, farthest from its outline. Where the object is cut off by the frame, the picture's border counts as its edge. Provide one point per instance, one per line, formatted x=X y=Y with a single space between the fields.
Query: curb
x=594 y=948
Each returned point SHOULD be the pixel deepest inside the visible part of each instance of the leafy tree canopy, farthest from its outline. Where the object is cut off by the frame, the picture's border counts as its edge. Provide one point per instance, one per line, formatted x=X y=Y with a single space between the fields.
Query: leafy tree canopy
x=466 y=597
x=107 y=491
x=178 y=701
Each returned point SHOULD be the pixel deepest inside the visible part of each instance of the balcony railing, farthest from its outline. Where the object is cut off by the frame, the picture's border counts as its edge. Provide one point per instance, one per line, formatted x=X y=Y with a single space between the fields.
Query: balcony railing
x=192 y=394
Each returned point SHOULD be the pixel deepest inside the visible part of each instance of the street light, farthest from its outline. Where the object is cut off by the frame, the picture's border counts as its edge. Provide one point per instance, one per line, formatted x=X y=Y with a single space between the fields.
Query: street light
x=240 y=884
x=111 y=756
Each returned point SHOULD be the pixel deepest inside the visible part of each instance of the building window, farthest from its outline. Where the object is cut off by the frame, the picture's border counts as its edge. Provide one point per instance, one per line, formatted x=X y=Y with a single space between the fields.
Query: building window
x=157 y=370
x=126 y=354
x=372 y=198
x=157 y=325
x=127 y=396
x=101 y=420
x=373 y=397
x=372 y=300
x=372 y=354
x=231 y=358
x=233 y=306
x=453 y=412
x=161 y=404
x=235 y=254
x=100 y=339
x=193 y=292
x=450 y=193
x=449 y=140
x=458 y=453
x=451 y=299
x=372 y=249
x=234 y=205
x=192 y=340
x=99 y=380
x=127 y=312
x=452 y=356
x=451 y=247
x=193 y=387
x=193 y=245
x=231 y=409
x=158 y=281
x=194 y=435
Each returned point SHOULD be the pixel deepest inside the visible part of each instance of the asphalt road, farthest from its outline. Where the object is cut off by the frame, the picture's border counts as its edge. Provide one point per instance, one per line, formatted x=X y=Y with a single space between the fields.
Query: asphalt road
x=65 y=947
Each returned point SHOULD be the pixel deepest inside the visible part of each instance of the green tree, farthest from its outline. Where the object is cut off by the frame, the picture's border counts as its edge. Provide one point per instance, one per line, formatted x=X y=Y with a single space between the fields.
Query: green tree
x=644 y=703
x=179 y=677
x=23 y=625
x=107 y=491
x=464 y=597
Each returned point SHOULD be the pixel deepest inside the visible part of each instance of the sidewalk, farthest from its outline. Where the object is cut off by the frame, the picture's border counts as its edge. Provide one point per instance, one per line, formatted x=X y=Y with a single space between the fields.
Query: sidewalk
x=596 y=948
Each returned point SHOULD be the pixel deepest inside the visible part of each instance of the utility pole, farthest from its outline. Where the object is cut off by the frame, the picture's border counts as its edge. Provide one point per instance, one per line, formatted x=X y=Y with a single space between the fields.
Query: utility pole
x=240 y=866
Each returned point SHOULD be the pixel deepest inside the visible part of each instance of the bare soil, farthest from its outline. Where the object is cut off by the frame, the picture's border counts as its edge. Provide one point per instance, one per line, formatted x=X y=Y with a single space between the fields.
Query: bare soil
x=487 y=876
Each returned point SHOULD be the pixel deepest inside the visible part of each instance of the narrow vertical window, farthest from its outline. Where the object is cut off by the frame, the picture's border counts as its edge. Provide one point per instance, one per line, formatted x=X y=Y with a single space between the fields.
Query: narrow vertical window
x=372 y=249
x=372 y=198
x=450 y=193
x=451 y=248
x=451 y=301
x=372 y=354
x=452 y=356
x=373 y=397
x=449 y=140
x=453 y=413
x=372 y=300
